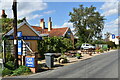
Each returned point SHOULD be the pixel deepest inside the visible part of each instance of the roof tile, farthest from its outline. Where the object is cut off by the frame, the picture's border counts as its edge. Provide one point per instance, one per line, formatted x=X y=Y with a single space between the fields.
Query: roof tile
x=53 y=32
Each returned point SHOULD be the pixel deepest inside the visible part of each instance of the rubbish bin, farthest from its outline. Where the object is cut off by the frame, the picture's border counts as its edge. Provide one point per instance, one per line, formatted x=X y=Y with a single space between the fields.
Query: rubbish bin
x=49 y=57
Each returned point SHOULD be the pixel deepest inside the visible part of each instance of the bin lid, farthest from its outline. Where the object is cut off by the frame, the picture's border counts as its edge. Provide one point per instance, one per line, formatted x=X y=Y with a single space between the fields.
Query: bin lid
x=48 y=54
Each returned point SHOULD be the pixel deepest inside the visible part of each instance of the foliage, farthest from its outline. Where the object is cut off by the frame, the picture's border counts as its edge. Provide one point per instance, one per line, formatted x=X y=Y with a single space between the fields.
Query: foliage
x=9 y=57
x=105 y=47
x=107 y=35
x=111 y=44
x=88 y=23
x=21 y=70
x=6 y=71
x=101 y=50
x=98 y=42
x=10 y=65
x=78 y=55
x=54 y=45
x=7 y=24
x=97 y=50
x=63 y=58
x=1 y=55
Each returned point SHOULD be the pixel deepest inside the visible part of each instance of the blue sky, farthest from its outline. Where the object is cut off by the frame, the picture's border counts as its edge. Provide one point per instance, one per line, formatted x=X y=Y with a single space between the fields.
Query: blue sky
x=59 y=11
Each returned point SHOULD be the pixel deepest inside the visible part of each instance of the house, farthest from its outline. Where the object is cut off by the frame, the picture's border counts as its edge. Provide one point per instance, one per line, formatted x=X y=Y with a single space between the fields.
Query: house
x=59 y=32
x=114 y=38
x=30 y=34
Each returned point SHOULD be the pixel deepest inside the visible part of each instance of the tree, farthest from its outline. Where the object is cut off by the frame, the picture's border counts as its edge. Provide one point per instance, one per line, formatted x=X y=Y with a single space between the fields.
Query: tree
x=87 y=22
x=7 y=24
x=54 y=45
x=107 y=35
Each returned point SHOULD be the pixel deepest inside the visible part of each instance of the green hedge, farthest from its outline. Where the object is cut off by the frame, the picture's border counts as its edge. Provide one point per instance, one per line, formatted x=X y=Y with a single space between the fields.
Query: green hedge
x=10 y=65
x=54 y=45
x=6 y=72
x=21 y=70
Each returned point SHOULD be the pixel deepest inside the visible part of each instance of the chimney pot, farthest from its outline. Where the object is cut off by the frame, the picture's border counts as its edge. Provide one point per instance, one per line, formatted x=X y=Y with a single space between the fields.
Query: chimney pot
x=3 y=11
x=49 y=24
x=42 y=23
x=3 y=14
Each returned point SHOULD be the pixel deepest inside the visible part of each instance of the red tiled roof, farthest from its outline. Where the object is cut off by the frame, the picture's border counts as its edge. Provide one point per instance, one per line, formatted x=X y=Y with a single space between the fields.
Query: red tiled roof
x=53 y=32
x=37 y=28
x=118 y=37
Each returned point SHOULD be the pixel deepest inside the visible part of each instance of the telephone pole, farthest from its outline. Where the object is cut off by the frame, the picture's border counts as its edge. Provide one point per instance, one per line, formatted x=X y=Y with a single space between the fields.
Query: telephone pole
x=14 y=8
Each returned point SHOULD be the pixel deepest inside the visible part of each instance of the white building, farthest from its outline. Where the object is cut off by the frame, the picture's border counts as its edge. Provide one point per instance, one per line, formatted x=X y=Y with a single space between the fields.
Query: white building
x=114 y=39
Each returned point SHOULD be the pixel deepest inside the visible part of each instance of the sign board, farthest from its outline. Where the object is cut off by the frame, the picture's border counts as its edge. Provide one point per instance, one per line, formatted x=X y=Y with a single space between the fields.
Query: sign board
x=30 y=62
x=113 y=36
x=32 y=38
x=19 y=34
x=19 y=47
x=69 y=32
x=26 y=37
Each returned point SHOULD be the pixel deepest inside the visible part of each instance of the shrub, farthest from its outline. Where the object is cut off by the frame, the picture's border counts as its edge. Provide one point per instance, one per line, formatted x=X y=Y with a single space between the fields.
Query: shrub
x=9 y=57
x=62 y=59
x=1 y=55
x=6 y=71
x=97 y=50
x=111 y=44
x=21 y=70
x=10 y=65
x=78 y=55
x=105 y=47
x=54 y=45
x=101 y=50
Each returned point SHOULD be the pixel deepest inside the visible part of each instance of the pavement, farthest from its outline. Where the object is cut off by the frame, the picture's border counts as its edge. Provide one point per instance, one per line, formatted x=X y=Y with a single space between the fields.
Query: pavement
x=100 y=66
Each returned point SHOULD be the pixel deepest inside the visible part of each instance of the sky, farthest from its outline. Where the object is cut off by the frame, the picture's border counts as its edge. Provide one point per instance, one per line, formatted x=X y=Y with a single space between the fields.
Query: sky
x=59 y=12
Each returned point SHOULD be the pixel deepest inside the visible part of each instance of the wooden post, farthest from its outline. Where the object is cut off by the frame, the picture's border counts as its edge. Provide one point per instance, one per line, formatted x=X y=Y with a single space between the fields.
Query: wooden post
x=14 y=7
x=4 y=52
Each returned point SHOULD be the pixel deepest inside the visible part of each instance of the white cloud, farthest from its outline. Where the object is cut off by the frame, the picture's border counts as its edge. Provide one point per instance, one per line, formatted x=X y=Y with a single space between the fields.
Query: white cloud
x=37 y=25
x=109 y=8
x=49 y=12
x=33 y=16
x=66 y=24
x=110 y=12
x=25 y=9
x=28 y=7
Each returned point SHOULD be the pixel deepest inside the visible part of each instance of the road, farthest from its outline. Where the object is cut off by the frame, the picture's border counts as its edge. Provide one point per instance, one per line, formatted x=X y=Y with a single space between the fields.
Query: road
x=101 y=66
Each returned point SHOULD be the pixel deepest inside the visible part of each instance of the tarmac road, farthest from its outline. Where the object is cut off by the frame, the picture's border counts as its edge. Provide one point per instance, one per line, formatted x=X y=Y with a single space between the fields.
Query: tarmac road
x=101 y=66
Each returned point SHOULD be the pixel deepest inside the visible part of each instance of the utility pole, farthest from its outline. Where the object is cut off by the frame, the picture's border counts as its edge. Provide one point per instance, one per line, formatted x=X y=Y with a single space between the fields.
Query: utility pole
x=14 y=8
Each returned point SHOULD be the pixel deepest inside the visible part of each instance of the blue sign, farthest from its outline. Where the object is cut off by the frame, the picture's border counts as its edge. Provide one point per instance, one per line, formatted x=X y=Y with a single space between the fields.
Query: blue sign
x=29 y=62
x=32 y=38
x=26 y=37
x=113 y=36
x=19 y=47
x=19 y=34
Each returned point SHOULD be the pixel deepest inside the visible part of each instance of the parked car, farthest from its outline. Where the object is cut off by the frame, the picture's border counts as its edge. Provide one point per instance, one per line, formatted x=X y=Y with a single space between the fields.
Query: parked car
x=87 y=46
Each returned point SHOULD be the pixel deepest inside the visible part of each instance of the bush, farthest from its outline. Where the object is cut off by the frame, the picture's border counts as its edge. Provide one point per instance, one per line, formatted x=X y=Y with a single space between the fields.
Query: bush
x=111 y=44
x=97 y=50
x=10 y=65
x=1 y=55
x=62 y=59
x=9 y=57
x=54 y=45
x=21 y=70
x=6 y=71
x=78 y=55
x=101 y=51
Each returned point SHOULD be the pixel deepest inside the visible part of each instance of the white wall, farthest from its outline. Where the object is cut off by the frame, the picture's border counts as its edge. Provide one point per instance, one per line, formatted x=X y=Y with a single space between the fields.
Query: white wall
x=116 y=40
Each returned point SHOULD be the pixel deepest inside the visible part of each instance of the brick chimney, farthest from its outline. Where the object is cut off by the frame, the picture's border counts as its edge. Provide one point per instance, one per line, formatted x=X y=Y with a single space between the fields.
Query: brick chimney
x=42 y=23
x=3 y=14
x=49 y=24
